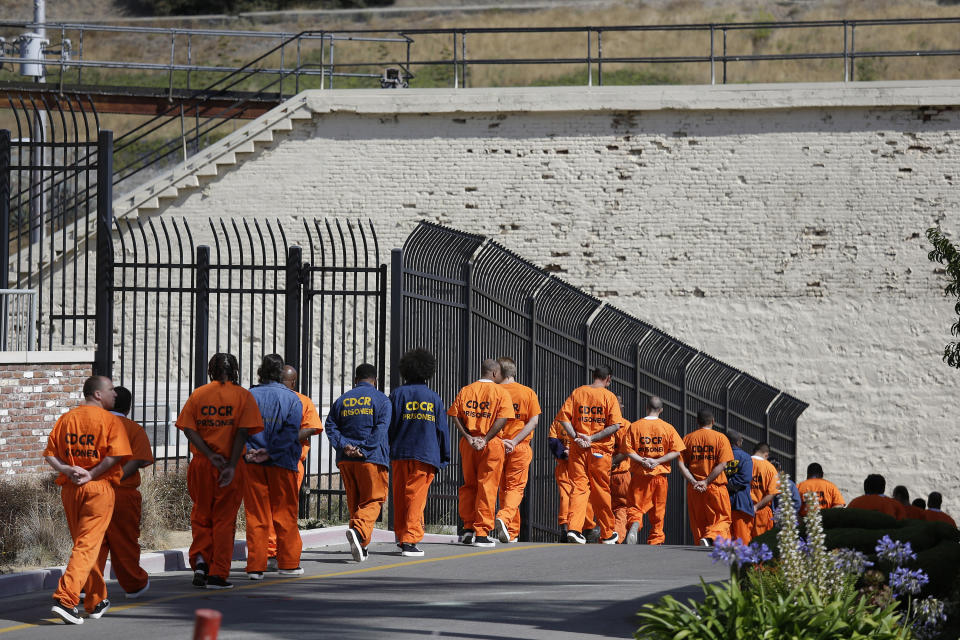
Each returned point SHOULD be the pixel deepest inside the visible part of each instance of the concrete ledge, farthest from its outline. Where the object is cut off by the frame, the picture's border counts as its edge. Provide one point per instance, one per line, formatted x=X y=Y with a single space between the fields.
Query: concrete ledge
x=176 y=559
x=743 y=97
x=46 y=357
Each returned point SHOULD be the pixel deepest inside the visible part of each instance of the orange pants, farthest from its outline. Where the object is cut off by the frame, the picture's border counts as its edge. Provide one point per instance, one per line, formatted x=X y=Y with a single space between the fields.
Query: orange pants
x=301 y=472
x=88 y=509
x=564 y=488
x=709 y=512
x=411 y=482
x=481 y=478
x=270 y=499
x=122 y=541
x=620 y=500
x=741 y=526
x=366 y=485
x=516 y=470
x=762 y=521
x=590 y=477
x=213 y=518
x=648 y=495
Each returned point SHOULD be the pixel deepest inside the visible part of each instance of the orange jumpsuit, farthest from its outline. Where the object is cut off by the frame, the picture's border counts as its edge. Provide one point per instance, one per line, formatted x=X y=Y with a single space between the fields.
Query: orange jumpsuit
x=82 y=437
x=122 y=541
x=764 y=484
x=311 y=420
x=564 y=486
x=216 y=411
x=935 y=515
x=590 y=410
x=478 y=405
x=650 y=438
x=826 y=491
x=881 y=503
x=709 y=511
x=516 y=464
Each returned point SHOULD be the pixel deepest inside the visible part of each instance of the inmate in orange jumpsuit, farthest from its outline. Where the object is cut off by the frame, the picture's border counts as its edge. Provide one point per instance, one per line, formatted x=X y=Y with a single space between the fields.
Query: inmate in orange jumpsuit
x=82 y=437
x=826 y=491
x=764 y=484
x=590 y=410
x=216 y=411
x=516 y=464
x=709 y=511
x=478 y=406
x=881 y=503
x=122 y=541
x=650 y=437
x=620 y=489
x=562 y=476
x=935 y=515
x=311 y=420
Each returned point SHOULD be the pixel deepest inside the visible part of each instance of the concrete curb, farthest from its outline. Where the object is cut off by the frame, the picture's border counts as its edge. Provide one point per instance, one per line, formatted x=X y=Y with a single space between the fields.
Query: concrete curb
x=15 y=584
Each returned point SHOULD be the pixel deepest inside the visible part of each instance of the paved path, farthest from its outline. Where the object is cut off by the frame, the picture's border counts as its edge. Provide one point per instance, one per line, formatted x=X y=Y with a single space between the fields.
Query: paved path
x=514 y=591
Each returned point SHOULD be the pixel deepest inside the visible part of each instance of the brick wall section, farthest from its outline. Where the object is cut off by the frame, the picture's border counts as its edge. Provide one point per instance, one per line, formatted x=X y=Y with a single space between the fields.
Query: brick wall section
x=34 y=396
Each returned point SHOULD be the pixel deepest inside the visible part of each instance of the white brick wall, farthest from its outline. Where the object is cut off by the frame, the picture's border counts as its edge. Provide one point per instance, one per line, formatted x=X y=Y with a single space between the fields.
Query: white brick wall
x=787 y=241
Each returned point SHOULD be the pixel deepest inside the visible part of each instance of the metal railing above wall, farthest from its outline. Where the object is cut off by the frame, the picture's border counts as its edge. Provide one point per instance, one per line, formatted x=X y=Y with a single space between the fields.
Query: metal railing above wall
x=18 y=319
x=179 y=58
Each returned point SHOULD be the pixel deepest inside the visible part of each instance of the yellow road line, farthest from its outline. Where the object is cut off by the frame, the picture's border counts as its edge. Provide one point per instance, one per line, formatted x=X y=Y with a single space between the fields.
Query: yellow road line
x=335 y=574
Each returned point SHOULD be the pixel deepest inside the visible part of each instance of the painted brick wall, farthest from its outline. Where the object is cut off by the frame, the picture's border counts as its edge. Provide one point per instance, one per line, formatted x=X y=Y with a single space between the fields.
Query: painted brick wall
x=34 y=396
x=786 y=241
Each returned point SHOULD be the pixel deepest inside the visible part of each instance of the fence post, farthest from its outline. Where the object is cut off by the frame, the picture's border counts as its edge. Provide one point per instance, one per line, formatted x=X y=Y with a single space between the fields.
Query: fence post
x=5 y=207
x=202 y=320
x=466 y=271
x=103 y=325
x=382 y=324
x=396 y=317
x=529 y=491
x=293 y=307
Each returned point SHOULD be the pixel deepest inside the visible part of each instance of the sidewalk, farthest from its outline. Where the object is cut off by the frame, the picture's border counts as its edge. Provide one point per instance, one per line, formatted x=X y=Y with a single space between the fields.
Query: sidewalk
x=176 y=559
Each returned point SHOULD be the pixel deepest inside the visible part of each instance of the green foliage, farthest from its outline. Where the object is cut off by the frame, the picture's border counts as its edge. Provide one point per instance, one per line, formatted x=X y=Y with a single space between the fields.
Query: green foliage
x=942 y=564
x=731 y=613
x=620 y=77
x=946 y=253
x=839 y=518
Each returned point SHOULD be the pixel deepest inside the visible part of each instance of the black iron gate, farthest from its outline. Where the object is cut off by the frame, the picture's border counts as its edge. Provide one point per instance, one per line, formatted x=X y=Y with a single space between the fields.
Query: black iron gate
x=183 y=291
x=467 y=298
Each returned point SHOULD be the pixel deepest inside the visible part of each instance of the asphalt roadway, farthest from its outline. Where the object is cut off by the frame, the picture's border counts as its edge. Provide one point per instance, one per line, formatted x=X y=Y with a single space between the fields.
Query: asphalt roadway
x=524 y=590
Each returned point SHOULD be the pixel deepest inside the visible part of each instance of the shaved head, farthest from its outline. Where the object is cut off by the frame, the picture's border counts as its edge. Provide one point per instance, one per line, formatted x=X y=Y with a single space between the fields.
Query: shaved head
x=654 y=405
x=289 y=376
x=93 y=384
x=489 y=368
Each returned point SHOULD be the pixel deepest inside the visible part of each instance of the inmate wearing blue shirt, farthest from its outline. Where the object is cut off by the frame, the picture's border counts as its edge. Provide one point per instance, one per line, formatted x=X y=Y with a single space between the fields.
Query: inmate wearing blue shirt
x=418 y=430
x=282 y=414
x=794 y=493
x=739 y=472
x=360 y=417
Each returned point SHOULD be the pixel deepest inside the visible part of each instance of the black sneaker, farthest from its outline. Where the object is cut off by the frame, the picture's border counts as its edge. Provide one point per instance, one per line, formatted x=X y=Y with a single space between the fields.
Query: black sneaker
x=216 y=582
x=410 y=550
x=100 y=609
x=484 y=541
x=200 y=575
x=366 y=552
x=706 y=542
x=576 y=537
x=501 y=531
x=592 y=535
x=356 y=549
x=468 y=537
x=613 y=539
x=70 y=615
x=563 y=533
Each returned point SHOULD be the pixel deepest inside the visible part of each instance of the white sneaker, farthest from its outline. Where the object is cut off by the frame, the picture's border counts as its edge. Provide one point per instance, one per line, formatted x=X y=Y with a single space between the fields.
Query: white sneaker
x=613 y=539
x=136 y=594
x=355 y=548
x=633 y=533
x=706 y=542
x=255 y=575
x=500 y=530
x=576 y=537
x=297 y=571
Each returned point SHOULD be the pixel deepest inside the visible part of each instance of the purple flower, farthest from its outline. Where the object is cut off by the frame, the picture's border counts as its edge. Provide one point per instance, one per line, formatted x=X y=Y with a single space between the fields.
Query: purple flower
x=851 y=562
x=904 y=581
x=893 y=551
x=734 y=553
x=803 y=546
x=760 y=553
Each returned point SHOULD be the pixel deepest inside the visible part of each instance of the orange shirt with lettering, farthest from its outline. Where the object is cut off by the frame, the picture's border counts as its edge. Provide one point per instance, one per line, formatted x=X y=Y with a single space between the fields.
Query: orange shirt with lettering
x=526 y=405
x=84 y=436
x=705 y=449
x=216 y=411
x=764 y=481
x=479 y=405
x=883 y=504
x=652 y=438
x=140 y=447
x=591 y=410
x=310 y=420
x=827 y=493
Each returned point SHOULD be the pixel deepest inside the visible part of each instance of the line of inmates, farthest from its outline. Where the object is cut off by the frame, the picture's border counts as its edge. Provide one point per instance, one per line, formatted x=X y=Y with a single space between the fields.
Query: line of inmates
x=250 y=445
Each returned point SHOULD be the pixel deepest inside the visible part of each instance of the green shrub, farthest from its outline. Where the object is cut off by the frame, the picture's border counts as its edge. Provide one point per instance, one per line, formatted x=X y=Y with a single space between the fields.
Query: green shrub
x=942 y=564
x=858 y=519
x=730 y=613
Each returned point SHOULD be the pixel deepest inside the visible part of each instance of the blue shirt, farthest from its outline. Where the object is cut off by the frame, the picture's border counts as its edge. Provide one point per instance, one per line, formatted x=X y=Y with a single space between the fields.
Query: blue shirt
x=360 y=417
x=795 y=493
x=739 y=472
x=282 y=414
x=418 y=430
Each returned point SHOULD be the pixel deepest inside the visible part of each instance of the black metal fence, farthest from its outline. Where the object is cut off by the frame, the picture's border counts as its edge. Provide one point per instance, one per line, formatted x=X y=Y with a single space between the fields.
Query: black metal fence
x=182 y=292
x=54 y=170
x=467 y=298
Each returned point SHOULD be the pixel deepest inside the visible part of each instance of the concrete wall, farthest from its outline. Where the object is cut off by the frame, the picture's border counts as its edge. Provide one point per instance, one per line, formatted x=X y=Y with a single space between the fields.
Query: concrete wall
x=779 y=228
